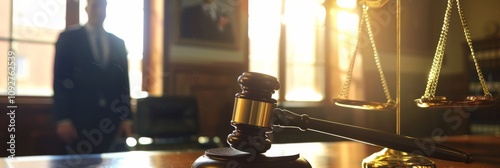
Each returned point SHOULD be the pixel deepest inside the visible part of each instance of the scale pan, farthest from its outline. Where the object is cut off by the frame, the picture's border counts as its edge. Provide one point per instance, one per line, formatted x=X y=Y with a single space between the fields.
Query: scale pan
x=445 y=102
x=364 y=105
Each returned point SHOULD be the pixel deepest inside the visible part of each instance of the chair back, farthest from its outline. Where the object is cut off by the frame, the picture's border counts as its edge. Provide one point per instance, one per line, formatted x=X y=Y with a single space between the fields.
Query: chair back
x=167 y=117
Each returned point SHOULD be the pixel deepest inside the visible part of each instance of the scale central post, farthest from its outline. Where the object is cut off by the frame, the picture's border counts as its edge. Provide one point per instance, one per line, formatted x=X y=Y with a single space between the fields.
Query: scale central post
x=389 y=158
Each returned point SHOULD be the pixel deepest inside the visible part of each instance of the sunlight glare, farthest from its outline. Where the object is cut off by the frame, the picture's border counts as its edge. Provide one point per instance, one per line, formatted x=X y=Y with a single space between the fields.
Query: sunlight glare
x=347 y=21
x=304 y=50
x=131 y=142
x=347 y=24
x=304 y=94
x=264 y=28
x=145 y=140
x=304 y=21
x=348 y=4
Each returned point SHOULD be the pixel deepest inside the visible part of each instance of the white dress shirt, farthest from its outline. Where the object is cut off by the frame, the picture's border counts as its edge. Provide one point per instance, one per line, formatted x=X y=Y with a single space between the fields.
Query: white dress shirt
x=92 y=34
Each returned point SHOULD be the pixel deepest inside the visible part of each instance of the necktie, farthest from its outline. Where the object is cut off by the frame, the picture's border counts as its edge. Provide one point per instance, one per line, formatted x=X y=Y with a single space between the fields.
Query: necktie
x=100 y=50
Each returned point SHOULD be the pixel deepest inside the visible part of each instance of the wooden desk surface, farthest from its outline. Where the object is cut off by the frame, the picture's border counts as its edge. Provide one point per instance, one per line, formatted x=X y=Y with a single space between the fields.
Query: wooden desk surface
x=345 y=154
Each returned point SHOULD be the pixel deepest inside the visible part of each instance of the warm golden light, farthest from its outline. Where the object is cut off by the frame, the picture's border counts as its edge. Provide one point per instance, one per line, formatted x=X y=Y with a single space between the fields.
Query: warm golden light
x=347 y=26
x=304 y=21
x=347 y=23
x=305 y=94
x=264 y=27
x=305 y=50
x=349 y=4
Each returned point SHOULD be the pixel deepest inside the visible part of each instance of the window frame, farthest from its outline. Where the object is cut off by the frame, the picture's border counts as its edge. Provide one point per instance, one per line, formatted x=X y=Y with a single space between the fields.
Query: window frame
x=282 y=62
x=72 y=12
x=72 y=18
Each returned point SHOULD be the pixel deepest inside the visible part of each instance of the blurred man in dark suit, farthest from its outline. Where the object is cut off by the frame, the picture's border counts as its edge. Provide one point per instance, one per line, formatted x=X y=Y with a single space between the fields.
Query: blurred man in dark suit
x=91 y=98
x=206 y=21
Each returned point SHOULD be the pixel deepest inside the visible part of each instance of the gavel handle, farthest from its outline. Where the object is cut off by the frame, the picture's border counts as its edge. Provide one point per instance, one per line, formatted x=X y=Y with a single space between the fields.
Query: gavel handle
x=287 y=119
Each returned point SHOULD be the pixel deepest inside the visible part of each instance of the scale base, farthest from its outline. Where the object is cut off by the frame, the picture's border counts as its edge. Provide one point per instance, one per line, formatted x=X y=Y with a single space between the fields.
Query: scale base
x=228 y=157
x=388 y=158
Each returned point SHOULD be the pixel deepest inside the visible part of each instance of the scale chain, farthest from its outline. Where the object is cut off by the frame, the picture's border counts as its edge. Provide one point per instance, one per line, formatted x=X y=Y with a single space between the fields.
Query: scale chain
x=469 y=43
x=347 y=83
x=345 y=89
x=439 y=55
x=376 y=55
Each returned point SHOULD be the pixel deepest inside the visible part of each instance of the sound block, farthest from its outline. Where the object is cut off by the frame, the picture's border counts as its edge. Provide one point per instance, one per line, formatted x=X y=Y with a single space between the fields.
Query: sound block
x=231 y=158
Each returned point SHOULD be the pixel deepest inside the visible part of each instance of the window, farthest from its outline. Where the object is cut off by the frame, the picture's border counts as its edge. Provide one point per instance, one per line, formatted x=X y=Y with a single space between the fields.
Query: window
x=305 y=63
x=287 y=39
x=304 y=54
x=347 y=21
x=264 y=26
x=29 y=29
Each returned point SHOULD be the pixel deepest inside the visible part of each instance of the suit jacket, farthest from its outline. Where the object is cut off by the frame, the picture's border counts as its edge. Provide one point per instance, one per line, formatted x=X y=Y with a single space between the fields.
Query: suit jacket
x=86 y=92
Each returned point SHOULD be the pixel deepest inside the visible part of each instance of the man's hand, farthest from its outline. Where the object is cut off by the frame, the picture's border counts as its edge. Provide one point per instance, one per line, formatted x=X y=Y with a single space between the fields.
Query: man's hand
x=66 y=131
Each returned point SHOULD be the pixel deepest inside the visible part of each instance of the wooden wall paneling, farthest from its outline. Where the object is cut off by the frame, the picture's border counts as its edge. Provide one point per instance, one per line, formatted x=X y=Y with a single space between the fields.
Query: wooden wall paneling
x=216 y=108
x=34 y=128
x=214 y=86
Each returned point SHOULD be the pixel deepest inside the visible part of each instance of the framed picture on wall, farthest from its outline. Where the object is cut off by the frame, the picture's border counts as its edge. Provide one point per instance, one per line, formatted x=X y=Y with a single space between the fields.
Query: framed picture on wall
x=209 y=23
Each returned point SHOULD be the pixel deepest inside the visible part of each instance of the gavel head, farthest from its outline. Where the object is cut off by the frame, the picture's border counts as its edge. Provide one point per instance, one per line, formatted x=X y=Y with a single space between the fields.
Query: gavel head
x=253 y=112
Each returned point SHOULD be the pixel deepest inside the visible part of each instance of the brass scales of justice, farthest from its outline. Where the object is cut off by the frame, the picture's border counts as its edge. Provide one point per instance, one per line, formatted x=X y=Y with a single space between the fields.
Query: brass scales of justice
x=428 y=100
x=386 y=158
x=389 y=157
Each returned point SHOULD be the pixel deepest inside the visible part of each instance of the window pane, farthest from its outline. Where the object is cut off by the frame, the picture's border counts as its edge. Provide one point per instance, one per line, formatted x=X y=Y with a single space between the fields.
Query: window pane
x=3 y=66
x=38 y=20
x=264 y=34
x=304 y=50
x=305 y=65
x=34 y=68
x=264 y=26
x=347 y=27
x=4 y=18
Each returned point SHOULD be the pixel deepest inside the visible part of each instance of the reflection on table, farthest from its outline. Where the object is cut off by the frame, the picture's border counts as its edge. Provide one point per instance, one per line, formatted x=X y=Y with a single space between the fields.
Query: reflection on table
x=348 y=154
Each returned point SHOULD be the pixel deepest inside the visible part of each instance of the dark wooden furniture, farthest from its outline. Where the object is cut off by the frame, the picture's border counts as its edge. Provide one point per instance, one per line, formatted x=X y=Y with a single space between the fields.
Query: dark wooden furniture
x=213 y=86
x=484 y=121
x=35 y=128
x=348 y=154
